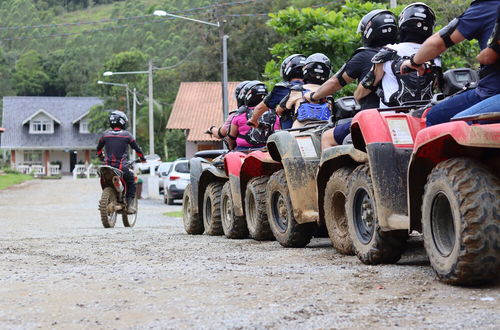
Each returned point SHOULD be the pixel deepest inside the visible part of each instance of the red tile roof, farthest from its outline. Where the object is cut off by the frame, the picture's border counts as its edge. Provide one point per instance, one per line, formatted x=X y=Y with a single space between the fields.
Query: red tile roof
x=198 y=106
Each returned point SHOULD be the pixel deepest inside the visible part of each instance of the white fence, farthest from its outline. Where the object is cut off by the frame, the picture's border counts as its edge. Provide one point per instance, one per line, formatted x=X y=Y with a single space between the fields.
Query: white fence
x=82 y=171
x=38 y=170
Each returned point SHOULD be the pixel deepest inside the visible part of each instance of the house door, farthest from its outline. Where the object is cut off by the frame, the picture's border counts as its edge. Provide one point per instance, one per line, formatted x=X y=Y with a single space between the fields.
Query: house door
x=72 y=159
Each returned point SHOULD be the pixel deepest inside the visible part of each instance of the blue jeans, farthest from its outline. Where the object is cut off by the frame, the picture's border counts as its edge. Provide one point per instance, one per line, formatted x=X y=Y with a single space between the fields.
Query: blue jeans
x=443 y=111
x=491 y=104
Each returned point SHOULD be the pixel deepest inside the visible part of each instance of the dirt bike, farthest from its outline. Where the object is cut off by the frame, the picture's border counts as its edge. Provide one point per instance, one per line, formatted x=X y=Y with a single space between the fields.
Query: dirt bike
x=113 y=201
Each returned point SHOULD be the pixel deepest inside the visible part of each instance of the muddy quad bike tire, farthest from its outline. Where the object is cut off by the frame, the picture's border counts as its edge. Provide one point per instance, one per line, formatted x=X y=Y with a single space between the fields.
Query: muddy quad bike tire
x=129 y=220
x=335 y=210
x=211 y=209
x=106 y=207
x=288 y=232
x=372 y=245
x=233 y=226
x=256 y=211
x=193 y=223
x=461 y=222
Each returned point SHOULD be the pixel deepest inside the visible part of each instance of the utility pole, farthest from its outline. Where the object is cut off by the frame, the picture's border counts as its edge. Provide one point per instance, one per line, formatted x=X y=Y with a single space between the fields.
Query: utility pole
x=134 y=123
x=151 y=109
x=223 y=37
x=393 y=3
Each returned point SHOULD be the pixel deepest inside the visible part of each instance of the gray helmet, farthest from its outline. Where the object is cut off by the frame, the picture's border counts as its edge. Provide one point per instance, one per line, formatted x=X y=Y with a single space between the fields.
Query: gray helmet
x=317 y=69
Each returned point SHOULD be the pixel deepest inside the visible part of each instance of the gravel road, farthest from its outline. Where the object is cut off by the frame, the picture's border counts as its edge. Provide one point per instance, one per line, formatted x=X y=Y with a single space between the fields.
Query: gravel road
x=60 y=269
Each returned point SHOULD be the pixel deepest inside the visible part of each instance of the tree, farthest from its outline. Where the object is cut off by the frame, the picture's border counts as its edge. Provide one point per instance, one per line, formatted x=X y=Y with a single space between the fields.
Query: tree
x=29 y=77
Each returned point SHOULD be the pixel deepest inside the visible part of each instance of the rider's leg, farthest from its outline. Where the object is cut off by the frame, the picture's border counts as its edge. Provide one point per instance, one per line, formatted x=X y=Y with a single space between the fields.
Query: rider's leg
x=327 y=139
x=128 y=176
x=491 y=104
x=443 y=111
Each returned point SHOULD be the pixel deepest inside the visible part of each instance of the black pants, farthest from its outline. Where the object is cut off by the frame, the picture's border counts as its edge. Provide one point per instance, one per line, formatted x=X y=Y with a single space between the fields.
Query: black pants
x=128 y=176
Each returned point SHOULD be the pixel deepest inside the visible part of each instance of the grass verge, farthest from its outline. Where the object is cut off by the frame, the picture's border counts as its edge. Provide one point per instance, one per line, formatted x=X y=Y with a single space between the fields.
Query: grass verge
x=11 y=179
x=174 y=214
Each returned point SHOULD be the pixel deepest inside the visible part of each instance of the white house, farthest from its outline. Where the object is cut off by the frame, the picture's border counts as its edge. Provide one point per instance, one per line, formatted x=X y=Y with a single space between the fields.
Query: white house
x=44 y=130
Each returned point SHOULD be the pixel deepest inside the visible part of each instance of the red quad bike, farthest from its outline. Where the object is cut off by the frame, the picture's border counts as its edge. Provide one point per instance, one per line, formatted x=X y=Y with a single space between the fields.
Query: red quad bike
x=113 y=201
x=290 y=194
x=454 y=198
x=213 y=201
x=243 y=204
x=386 y=167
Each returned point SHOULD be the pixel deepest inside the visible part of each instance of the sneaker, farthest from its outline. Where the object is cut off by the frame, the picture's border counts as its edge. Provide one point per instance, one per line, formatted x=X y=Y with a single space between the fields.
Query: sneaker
x=131 y=206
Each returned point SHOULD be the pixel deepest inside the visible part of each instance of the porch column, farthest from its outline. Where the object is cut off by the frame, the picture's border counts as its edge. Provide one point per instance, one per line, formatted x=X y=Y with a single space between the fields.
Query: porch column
x=13 y=158
x=87 y=157
x=47 y=162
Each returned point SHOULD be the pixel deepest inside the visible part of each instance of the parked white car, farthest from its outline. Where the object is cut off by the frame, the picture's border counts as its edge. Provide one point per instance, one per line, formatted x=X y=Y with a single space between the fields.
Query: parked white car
x=176 y=181
x=162 y=173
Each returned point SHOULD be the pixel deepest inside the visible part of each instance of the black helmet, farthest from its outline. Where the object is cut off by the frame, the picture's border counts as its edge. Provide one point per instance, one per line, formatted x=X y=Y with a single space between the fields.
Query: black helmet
x=237 y=90
x=416 y=22
x=118 y=119
x=378 y=28
x=253 y=93
x=292 y=67
x=317 y=69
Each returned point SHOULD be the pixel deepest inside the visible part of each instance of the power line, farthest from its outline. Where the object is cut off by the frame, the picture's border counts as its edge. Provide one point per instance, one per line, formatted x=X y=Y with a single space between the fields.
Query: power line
x=108 y=20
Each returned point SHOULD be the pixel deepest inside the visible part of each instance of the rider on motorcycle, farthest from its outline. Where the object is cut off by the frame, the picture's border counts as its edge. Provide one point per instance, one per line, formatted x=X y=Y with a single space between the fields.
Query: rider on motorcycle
x=378 y=28
x=222 y=131
x=316 y=71
x=291 y=72
x=416 y=24
x=115 y=142
x=477 y=22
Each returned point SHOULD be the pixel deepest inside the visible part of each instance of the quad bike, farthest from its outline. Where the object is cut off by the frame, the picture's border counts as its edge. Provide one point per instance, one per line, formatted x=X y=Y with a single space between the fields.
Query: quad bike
x=290 y=193
x=393 y=153
x=454 y=198
x=201 y=200
x=113 y=201
x=243 y=195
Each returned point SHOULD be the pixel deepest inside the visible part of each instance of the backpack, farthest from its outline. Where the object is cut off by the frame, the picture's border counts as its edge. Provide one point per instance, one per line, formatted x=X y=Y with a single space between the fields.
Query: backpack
x=411 y=87
x=312 y=111
x=257 y=136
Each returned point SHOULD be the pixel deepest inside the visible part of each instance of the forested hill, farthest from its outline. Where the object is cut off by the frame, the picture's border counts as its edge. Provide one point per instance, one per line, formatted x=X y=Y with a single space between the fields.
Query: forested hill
x=62 y=47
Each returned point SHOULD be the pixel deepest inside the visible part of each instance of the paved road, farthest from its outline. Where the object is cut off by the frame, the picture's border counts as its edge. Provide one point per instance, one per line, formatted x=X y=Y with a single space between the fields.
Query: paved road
x=59 y=268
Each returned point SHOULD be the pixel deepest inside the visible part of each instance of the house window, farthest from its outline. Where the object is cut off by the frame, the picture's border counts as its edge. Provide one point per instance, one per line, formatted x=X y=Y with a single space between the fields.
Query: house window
x=84 y=126
x=33 y=157
x=41 y=127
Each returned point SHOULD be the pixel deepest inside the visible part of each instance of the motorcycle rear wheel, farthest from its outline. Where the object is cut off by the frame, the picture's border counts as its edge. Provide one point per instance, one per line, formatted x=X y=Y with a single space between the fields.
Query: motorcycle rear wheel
x=106 y=207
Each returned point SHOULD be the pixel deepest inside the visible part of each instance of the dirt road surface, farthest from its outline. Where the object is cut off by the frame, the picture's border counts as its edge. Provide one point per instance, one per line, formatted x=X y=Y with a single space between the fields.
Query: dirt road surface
x=60 y=269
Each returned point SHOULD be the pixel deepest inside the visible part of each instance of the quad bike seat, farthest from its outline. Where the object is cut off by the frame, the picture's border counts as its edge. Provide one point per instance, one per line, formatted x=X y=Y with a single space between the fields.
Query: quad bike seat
x=210 y=153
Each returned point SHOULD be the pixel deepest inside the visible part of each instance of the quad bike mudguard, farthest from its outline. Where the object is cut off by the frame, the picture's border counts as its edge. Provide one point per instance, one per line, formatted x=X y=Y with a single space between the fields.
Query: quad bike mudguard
x=441 y=142
x=196 y=166
x=299 y=155
x=331 y=160
x=257 y=163
x=232 y=165
x=373 y=126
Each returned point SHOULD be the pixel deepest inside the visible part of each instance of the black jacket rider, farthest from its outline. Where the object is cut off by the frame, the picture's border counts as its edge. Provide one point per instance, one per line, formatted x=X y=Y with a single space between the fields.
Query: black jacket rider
x=116 y=142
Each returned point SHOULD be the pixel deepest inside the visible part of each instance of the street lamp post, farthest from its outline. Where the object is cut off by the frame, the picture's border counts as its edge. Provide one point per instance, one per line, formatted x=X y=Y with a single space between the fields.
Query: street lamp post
x=127 y=90
x=225 y=102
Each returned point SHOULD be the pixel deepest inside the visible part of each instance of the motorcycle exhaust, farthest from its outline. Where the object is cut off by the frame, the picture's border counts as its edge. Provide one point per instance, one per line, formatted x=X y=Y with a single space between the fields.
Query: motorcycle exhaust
x=118 y=184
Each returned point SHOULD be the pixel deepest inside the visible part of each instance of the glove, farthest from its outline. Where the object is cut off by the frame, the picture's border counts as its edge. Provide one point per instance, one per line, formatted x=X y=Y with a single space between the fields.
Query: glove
x=209 y=131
